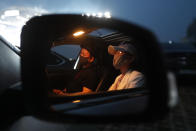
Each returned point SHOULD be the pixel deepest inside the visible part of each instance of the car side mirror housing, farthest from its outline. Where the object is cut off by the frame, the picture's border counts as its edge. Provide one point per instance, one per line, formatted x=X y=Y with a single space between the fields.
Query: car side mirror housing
x=47 y=35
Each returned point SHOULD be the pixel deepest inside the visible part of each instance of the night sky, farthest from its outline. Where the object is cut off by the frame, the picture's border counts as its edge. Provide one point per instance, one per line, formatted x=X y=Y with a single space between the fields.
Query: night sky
x=168 y=19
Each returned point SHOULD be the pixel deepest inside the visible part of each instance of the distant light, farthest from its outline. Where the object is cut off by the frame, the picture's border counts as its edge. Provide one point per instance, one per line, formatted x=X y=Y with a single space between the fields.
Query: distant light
x=12 y=36
x=78 y=33
x=2 y=17
x=76 y=101
x=28 y=16
x=107 y=15
x=99 y=15
x=170 y=42
x=22 y=19
x=88 y=14
x=94 y=14
x=12 y=13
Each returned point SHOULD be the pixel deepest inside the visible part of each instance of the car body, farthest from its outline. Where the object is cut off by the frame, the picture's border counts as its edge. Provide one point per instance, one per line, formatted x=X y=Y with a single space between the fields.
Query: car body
x=10 y=65
x=180 y=58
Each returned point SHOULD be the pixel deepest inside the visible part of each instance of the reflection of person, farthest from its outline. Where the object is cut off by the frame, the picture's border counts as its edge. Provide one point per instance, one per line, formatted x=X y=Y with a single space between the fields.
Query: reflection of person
x=86 y=79
x=124 y=57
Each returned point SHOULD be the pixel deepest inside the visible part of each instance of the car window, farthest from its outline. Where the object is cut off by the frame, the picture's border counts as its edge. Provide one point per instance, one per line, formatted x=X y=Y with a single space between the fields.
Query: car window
x=63 y=55
x=69 y=52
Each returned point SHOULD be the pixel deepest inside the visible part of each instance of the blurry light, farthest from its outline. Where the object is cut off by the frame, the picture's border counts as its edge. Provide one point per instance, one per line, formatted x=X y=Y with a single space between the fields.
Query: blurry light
x=12 y=20
x=2 y=27
x=22 y=19
x=12 y=13
x=88 y=14
x=11 y=31
x=2 y=17
x=28 y=16
x=94 y=14
x=76 y=64
x=17 y=17
x=76 y=101
x=170 y=42
x=107 y=15
x=37 y=14
x=78 y=33
x=99 y=15
x=12 y=36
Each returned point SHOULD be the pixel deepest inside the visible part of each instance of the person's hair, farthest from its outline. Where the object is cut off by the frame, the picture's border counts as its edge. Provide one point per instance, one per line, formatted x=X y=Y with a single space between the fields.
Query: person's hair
x=96 y=46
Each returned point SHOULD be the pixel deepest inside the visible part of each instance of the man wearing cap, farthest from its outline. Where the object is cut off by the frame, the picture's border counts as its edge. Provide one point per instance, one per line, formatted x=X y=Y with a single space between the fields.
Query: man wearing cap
x=123 y=60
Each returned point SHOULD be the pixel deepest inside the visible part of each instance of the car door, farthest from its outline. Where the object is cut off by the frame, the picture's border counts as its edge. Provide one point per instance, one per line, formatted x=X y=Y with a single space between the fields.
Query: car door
x=102 y=103
x=61 y=64
x=9 y=66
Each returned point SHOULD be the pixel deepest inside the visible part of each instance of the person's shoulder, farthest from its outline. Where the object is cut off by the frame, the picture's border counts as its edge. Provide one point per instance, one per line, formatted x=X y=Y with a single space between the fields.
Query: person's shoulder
x=117 y=77
x=136 y=73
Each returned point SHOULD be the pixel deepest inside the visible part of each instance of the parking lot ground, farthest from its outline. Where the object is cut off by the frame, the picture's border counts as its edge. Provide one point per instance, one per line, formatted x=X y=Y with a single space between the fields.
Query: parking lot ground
x=181 y=118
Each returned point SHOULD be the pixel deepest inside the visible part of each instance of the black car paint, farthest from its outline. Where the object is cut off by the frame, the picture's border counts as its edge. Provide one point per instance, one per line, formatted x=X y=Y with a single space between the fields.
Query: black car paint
x=180 y=58
x=11 y=98
x=9 y=65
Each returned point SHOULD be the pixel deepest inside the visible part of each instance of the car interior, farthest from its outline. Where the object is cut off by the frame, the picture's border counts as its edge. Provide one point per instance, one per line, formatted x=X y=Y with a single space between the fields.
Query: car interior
x=65 y=52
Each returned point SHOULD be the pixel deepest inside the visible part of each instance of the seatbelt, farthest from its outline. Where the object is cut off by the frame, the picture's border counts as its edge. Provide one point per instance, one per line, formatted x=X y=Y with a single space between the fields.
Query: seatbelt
x=101 y=81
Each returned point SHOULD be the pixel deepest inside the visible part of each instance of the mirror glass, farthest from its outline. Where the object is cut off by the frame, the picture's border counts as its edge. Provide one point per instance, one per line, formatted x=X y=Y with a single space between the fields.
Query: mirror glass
x=91 y=61
x=88 y=66
x=94 y=62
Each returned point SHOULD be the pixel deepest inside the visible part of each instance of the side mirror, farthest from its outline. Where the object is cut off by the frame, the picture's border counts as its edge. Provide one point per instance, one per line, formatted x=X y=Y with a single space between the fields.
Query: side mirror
x=51 y=47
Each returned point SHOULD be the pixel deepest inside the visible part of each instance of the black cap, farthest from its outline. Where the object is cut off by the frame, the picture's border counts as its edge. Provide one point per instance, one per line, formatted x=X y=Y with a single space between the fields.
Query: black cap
x=93 y=44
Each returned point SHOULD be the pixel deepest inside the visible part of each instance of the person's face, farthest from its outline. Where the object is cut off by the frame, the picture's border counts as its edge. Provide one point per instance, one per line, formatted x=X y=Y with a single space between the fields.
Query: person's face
x=121 y=59
x=85 y=57
x=85 y=53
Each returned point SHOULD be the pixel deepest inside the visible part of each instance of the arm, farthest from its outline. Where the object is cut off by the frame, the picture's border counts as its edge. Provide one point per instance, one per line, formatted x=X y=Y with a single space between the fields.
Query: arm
x=87 y=81
x=112 y=87
x=84 y=91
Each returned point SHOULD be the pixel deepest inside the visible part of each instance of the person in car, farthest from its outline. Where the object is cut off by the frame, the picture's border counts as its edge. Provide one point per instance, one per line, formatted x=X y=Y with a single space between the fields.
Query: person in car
x=123 y=60
x=86 y=80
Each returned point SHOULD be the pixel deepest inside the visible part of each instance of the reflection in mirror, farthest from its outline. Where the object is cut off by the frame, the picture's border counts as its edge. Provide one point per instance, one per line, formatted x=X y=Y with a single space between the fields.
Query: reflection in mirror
x=94 y=60
x=90 y=66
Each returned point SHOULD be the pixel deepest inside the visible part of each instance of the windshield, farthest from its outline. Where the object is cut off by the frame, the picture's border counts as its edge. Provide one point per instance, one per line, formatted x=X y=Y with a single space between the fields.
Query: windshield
x=169 y=20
